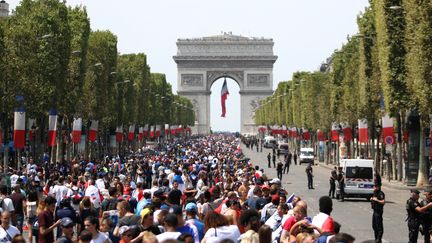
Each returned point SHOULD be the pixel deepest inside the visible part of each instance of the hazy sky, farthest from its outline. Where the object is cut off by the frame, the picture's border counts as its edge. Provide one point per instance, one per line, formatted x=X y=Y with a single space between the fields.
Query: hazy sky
x=305 y=33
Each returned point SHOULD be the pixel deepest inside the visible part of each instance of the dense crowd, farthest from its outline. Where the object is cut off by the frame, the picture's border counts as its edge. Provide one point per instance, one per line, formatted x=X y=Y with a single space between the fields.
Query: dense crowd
x=200 y=189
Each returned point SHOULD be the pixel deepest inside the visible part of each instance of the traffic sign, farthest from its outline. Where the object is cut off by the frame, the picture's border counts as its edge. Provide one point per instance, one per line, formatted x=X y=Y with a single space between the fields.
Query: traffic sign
x=389 y=140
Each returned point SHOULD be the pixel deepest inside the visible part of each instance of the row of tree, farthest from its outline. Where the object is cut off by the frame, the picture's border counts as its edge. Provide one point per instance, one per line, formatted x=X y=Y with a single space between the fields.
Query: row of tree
x=384 y=69
x=50 y=58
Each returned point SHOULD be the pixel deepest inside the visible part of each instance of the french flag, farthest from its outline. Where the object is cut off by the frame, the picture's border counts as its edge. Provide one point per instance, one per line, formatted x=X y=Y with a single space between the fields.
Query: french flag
x=306 y=134
x=346 y=129
x=224 y=96
x=31 y=125
x=363 y=131
x=388 y=130
x=140 y=133
x=294 y=132
x=93 y=130
x=119 y=133
x=158 y=131
x=173 y=130
x=320 y=136
x=152 y=131
x=145 y=130
x=52 y=127
x=166 y=129
x=131 y=133
x=19 y=128
x=76 y=130
x=335 y=131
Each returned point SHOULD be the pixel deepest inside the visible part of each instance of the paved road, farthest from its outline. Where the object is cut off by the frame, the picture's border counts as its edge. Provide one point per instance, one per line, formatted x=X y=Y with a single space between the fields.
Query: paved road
x=354 y=215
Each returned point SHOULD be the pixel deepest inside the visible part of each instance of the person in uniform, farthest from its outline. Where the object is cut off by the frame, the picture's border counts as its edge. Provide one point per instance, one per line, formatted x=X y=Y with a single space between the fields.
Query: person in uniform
x=341 y=181
x=309 y=174
x=287 y=164
x=333 y=178
x=414 y=210
x=279 y=169
x=269 y=160
x=427 y=215
x=377 y=204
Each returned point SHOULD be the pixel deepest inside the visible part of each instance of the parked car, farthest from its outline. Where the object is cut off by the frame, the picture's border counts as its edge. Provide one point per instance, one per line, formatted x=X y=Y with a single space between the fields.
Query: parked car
x=306 y=155
x=359 y=178
x=270 y=142
x=283 y=148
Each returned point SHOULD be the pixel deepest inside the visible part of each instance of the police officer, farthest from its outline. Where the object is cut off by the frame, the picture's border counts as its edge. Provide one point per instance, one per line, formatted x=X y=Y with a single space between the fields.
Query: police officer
x=341 y=181
x=333 y=178
x=427 y=215
x=377 y=204
x=414 y=210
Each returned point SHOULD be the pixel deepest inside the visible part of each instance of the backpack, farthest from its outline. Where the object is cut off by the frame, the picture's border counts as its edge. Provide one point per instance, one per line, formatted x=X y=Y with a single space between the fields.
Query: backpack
x=2 y=204
x=270 y=211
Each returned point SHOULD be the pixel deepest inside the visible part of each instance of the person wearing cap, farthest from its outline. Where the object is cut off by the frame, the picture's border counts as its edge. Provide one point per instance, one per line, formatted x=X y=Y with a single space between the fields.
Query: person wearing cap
x=183 y=226
x=270 y=208
x=147 y=221
x=427 y=215
x=414 y=210
x=377 y=204
x=191 y=218
x=67 y=225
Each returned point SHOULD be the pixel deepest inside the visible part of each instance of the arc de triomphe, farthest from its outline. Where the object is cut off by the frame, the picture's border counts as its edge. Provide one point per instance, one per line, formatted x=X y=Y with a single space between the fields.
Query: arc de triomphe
x=202 y=61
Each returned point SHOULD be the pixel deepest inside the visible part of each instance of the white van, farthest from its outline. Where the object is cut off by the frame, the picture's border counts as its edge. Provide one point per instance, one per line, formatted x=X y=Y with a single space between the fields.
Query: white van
x=359 y=178
x=270 y=142
x=306 y=155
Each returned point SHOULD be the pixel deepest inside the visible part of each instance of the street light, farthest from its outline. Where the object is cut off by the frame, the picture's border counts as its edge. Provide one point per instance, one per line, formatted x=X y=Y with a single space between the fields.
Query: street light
x=98 y=64
x=113 y=73
x=76 y=53
x=395 y=7
x=123 y=82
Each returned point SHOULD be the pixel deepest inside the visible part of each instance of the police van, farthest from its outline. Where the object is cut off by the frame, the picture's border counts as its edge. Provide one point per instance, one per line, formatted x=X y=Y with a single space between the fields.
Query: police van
x=359 y=178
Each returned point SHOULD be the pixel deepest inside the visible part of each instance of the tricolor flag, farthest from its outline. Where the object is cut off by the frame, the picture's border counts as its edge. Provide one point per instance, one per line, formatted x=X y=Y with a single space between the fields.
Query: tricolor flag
x=52 y=127
x=294 y=132
x=152 y=131
x=119 y=133
x=320 y=136
x=346 y=129
x=31 y=126
x=180 y=129
x=224 y=96
x=173 y=129
x=363 y=131
x=388 y=130
x=335 y=131
x=76 y=130
x=19 y=128
x=93 y=130
x=166 y=130
x=284 y=130
x=140 y=133
x=306 y=134
x=145 y=130
x=131 y=133
x=158 y=130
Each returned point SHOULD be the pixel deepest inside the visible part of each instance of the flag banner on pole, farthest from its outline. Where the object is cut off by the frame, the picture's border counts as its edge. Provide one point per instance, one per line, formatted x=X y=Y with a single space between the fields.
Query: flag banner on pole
x=173 y=129
x=140 y=133
x=335 y=132
x=145 y=130
x=180 y=129
x=76 y=130
x=19 y=128
x=388 y=130
x=363 y=136
x=31 y=126
x=94 y=126
x=224 y=96
x=166 y=130
x=306 y=134
x=119 y=133
x=294 y=132
x=158 y=130
x=347 y=132
x=284 y=130
x=52 y=127
x=321 y=136
x=152 y=131
x=131 y=133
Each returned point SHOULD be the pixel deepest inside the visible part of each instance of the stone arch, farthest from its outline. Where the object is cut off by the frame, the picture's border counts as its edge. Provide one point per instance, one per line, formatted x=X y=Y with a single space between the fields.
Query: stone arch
x=202 y=61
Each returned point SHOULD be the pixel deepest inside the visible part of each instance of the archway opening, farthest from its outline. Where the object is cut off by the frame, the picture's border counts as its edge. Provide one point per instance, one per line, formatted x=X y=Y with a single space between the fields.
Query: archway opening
x=231 y=121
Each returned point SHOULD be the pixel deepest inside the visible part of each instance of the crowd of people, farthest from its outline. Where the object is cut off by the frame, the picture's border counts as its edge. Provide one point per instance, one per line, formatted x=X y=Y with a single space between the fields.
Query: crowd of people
x=200 y=189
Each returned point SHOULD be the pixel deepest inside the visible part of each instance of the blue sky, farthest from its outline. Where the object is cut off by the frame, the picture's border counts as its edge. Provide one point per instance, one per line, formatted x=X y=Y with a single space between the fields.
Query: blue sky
x=305 y=33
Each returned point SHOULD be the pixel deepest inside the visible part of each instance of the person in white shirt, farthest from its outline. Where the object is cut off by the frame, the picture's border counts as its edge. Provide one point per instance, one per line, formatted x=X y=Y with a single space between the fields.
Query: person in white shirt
x=7 y=204
x=219 y=229
x=100 y=183
x=170 y=224
x=60 y=191
x=93 y=192
x=7 y=231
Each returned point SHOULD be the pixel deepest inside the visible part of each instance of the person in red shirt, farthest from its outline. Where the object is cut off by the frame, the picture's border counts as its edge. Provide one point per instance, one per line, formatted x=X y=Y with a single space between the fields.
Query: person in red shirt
x=300 y=213
x=46 y=221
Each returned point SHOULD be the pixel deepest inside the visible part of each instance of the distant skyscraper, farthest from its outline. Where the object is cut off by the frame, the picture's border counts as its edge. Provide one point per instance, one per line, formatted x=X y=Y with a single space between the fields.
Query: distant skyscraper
x=4 y=9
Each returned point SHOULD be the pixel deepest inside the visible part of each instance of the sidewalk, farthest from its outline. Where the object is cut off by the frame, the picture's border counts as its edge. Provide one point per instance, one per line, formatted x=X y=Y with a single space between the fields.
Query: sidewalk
x=385 y=183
